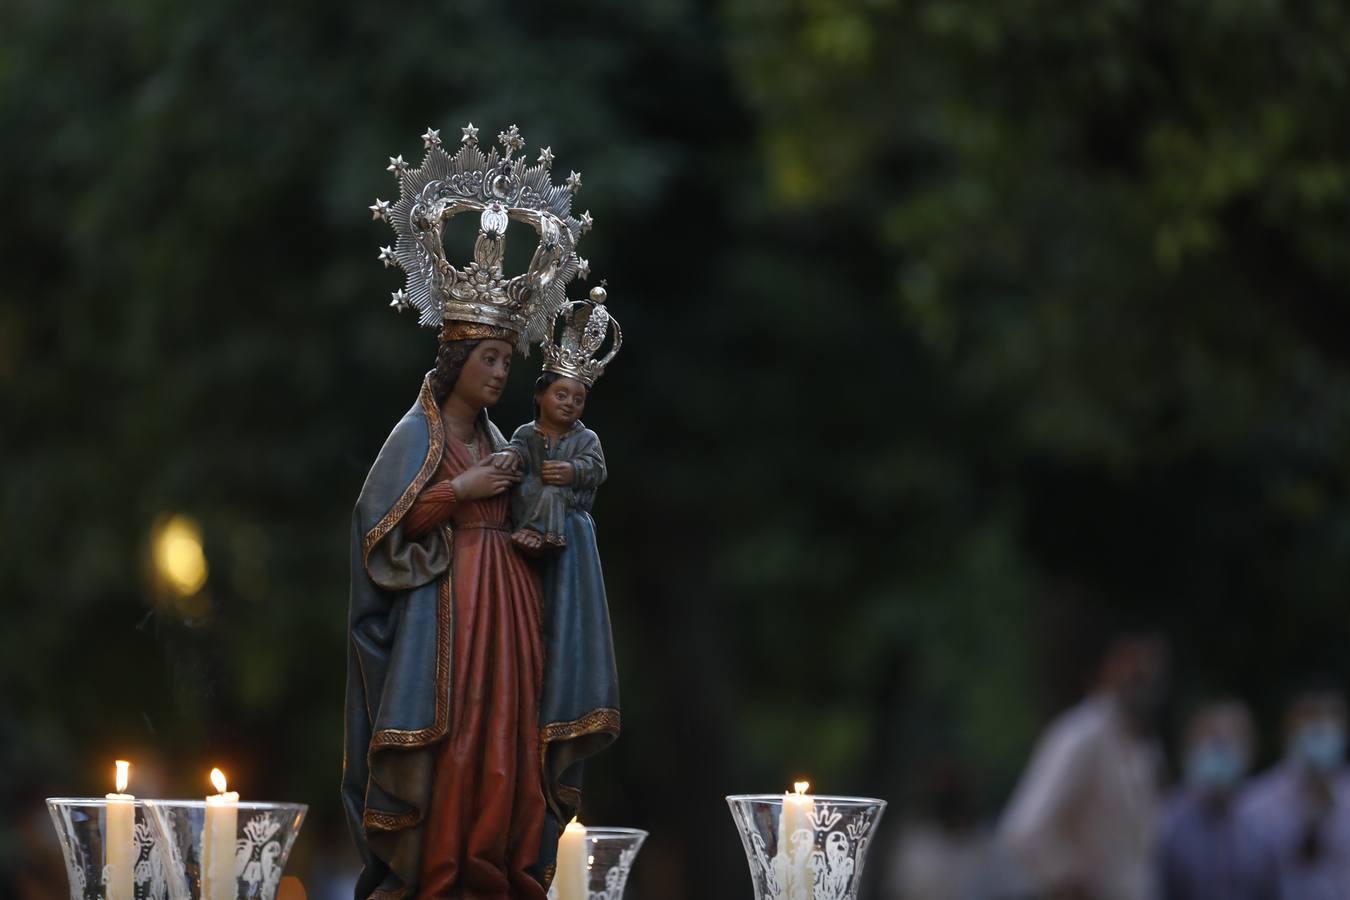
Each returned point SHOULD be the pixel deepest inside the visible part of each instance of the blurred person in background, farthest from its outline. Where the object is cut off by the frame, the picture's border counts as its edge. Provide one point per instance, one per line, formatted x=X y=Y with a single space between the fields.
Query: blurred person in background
x=1204 y=852
x=944 y=850
x=1081 y=823
x=1300 y=810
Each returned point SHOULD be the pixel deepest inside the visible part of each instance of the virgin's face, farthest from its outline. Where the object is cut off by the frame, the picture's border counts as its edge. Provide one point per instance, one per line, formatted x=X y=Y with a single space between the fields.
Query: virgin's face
x=484 y=374
x=562 y=403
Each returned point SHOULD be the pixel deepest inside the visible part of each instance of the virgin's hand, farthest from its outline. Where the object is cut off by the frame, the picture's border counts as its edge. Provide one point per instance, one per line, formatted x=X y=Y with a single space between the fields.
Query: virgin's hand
x=482 y=480
x=557 y=472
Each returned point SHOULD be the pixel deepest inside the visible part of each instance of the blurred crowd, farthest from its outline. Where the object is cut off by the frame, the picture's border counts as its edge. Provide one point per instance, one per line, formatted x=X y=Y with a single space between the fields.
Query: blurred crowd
x=1091 y=819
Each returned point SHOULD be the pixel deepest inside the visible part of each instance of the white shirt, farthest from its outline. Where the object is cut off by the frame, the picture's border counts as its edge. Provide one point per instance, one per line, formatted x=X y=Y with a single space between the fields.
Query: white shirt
x=1085 y=810
x=1278 y=807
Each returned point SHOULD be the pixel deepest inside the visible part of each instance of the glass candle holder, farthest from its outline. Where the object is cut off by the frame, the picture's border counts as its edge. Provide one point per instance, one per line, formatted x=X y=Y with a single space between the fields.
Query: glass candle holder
x=805 y=847
x=225 y=851
x=110 y=848
x=609 y=858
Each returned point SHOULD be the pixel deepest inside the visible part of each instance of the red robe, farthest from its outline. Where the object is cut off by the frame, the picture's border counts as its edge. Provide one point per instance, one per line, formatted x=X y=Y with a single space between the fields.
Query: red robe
x=486 y=817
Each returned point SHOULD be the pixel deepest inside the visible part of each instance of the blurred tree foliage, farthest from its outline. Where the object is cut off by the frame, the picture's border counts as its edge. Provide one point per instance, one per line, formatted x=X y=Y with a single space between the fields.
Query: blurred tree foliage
x=955 y=329
x=1112 y=238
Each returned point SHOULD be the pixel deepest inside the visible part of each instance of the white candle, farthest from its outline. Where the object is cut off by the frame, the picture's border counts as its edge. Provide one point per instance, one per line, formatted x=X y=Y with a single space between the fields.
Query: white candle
x=119 y=853
x=218 y=842
x=572 y=878
x=796 y=840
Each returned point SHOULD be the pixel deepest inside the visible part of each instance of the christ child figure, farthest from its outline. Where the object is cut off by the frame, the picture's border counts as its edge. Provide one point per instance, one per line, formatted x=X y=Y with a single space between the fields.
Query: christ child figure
x=559 y=458
x=561 y=465
x=561 y=462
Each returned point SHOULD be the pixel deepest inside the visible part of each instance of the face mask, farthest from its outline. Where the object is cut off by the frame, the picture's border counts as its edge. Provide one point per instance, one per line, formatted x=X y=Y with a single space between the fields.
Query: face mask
x=1320 y=746
x=1214 y=766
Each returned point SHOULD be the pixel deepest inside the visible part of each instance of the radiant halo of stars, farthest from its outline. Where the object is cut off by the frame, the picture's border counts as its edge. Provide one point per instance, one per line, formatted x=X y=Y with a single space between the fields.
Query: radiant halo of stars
x=512 y=142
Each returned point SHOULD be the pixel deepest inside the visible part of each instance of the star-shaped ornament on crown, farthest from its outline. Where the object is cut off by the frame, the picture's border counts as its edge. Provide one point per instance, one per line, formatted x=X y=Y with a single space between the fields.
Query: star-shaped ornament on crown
x=379 y=210
x=387 y=256
x=399 y=300
x=432 y=138
x=397 y=164
x=546 y=157
x=574 y=182
x=586 y=221
x=511 y=140
x=470 y=134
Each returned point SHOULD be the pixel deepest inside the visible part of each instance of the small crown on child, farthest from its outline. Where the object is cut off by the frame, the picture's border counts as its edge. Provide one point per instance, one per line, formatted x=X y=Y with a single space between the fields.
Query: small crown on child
x=585 y=324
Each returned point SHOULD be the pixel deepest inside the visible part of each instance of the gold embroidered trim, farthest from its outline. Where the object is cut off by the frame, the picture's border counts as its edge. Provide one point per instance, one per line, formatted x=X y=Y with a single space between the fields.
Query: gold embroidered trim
x=597 y=720
x=382 y=894
x=550 y=871
x=408 y=740
x=378 y=820
x=602 y=719
x=435 y=444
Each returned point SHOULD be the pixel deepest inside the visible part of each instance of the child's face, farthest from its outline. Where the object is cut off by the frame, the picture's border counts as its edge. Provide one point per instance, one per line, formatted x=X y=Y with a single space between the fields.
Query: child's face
x=562 y=402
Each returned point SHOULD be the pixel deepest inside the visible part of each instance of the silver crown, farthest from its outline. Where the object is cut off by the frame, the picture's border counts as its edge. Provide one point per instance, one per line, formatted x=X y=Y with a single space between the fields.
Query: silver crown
x=585 y=324
x=500 y=187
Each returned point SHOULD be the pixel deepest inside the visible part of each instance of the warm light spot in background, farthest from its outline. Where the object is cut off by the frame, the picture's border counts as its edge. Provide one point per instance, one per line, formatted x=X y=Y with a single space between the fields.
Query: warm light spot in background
x=291 y=889
x=178 y=556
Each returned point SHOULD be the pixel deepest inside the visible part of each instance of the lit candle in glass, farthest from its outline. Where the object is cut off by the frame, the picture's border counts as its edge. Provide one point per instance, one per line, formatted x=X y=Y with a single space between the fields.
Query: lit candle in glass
x=572 y=878
x=120 y=837
x=218 y=842
x=796 y=840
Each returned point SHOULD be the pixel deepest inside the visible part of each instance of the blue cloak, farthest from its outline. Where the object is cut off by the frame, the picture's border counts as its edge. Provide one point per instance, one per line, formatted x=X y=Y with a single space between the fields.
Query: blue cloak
x=398 y=673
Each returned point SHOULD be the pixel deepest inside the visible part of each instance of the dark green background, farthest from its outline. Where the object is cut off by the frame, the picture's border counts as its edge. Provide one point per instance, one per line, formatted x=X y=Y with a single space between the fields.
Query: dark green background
x=957 y=334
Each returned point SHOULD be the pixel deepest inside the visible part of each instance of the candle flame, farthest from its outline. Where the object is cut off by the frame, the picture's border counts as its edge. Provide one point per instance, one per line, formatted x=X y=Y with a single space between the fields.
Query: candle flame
x=218 y=779
x=123 y=775
x=801 y=787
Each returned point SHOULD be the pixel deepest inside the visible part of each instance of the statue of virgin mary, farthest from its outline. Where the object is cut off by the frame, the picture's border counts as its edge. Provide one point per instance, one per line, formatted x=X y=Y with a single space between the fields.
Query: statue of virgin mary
x=465 y=739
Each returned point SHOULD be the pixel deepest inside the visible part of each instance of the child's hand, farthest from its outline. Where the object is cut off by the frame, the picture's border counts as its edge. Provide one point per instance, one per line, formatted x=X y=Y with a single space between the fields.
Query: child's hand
x=482 y=480
x=557 y=472
x=506 y=461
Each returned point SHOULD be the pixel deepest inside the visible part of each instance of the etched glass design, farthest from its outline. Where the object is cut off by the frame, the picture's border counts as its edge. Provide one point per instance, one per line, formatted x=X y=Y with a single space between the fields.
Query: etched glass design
x=91 y=852
x=256 y=848
x=610 y=855
x=807 y=847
